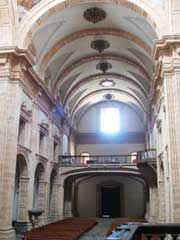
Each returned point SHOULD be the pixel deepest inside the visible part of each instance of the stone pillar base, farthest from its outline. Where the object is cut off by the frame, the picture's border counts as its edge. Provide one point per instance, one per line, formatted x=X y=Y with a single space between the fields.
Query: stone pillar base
x=7 y=234
x=42 y=221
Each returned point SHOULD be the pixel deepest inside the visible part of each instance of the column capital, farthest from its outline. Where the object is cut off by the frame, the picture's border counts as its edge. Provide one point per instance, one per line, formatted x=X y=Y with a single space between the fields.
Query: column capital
x=14 y=63
x=168 y=46
x=167 y=58
x=167 y=53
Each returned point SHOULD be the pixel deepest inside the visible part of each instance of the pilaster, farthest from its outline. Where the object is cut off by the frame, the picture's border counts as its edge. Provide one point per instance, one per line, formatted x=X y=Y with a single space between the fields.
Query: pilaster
x=167 y=53
x=10 y=92
x=7 y=22
x=61 y=200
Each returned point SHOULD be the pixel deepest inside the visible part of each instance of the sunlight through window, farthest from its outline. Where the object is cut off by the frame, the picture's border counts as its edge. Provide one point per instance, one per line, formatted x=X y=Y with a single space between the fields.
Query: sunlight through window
x=109 y=120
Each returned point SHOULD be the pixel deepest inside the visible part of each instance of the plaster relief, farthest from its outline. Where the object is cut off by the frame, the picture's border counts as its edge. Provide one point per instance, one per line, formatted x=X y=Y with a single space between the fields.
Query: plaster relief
x=24 y=6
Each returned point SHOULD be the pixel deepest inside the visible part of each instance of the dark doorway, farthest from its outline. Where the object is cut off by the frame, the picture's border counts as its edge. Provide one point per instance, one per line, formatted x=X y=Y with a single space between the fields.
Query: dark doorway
x=110 y=201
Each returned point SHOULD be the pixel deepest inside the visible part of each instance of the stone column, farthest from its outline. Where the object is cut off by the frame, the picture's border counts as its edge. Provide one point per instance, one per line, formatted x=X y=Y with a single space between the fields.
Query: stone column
x=172 y=90
x=9 y=116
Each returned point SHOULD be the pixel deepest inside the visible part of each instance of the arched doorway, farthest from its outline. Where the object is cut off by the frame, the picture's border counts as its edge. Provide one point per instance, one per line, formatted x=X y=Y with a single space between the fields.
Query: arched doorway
x=20 y=208
x=110 y=204
x=53 y=196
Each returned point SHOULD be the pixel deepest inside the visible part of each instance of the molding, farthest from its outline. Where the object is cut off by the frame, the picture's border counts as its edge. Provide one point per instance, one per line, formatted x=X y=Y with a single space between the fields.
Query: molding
x=41 y=158
x=21 y=70
x=23 y=150
x=163 y=45
x=14 y=50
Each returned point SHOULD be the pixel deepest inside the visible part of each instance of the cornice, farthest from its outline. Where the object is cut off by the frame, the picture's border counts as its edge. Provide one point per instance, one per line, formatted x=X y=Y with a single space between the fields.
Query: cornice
x=167 y=54
x=26 y=69
x=13 y=50
x=164 y=46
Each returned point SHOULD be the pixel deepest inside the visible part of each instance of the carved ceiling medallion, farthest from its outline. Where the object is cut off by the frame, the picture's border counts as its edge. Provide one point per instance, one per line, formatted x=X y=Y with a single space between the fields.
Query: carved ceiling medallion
x=107 y=83
x=108 y=96
x=94 y=15
x=103 y=66
x=100 y=45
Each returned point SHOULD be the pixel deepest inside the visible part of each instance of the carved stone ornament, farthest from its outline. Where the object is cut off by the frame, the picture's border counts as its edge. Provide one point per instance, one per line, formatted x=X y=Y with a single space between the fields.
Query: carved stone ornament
x=159 y=125
x=25 y=114
x=100 y=45
x=108 y=96
x=103 y=66
x=32 y=50
x=94 y=15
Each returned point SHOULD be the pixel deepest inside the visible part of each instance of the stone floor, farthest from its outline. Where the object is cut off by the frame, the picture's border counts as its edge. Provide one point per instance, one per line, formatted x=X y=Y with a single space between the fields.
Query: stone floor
x=99 y=231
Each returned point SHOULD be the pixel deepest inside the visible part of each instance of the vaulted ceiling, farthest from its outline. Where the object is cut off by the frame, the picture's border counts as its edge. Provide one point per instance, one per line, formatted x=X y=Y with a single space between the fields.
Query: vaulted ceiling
x=67 y=63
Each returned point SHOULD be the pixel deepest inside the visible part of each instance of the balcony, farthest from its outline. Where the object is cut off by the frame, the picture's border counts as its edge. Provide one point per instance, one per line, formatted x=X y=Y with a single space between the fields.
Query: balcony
x=140 y=157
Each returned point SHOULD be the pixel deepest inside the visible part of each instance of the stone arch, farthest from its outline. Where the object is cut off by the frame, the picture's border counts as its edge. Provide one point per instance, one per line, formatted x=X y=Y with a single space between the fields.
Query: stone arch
x=39 y=188
x=76 y=193
x=20 y=208
x=132 y=97
x=47 y=8
x=53 y=195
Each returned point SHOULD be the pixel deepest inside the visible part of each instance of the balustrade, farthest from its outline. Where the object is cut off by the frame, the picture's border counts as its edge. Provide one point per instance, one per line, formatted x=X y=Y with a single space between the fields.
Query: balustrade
x=133 y=159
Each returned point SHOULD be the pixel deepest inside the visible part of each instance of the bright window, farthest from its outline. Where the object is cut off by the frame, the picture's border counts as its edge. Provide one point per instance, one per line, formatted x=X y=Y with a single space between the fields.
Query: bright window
x=109 y=120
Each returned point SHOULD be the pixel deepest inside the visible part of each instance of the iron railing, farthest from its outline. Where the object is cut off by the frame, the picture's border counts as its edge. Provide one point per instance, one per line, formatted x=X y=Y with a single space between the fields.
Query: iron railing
x=140 y=156
x=139 y=231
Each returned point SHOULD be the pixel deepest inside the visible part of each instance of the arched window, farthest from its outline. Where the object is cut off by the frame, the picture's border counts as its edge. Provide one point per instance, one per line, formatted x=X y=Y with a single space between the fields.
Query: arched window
x=85 y=157
x=65 y=144
x=134 y=157
x=109 y=120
